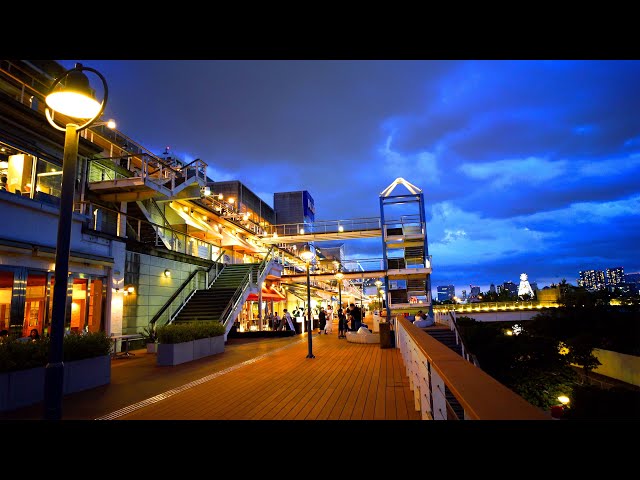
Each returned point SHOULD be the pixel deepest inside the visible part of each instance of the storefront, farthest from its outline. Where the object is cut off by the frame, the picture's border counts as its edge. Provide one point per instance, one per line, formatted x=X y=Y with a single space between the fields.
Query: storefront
x=26 y=301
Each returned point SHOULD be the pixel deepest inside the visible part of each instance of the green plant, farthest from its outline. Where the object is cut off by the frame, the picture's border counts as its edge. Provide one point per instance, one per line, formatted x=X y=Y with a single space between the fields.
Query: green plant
x=80 y=346
x=186 y=332
x=150 y=335
x=16 y=355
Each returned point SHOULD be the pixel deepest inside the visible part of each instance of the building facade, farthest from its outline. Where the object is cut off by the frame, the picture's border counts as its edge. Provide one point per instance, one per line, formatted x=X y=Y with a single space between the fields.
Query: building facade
x=446 y=292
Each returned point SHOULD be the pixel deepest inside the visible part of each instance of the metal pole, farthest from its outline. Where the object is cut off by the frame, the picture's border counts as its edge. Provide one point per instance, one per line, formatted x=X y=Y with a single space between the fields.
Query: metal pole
x=310 y=329
x=54 y=371
x=340 y=292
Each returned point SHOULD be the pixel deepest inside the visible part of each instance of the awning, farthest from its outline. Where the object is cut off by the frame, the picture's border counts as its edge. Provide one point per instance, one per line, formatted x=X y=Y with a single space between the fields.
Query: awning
x=267 y=294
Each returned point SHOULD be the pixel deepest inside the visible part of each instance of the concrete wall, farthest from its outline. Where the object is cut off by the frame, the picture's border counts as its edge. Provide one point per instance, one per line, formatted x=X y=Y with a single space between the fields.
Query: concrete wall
x=152 y=287
x=619 y=366
x=39 y=224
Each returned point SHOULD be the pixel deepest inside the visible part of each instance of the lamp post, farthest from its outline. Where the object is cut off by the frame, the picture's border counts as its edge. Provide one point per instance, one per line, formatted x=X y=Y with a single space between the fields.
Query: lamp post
x=339 y=276
x=75 y=100
x=379 y=284
x=307 y=254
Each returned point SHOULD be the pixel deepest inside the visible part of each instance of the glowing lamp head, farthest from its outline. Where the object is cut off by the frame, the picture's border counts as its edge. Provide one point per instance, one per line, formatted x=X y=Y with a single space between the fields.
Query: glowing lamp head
x=563 y=399
x=75 y=98
x=220 y=197
x=231 y=200
x=339 y=276
x=167 y=273
x=130 y=290
x=341 y=228
x=111 y=124
x=307 y=254
x=378 y=283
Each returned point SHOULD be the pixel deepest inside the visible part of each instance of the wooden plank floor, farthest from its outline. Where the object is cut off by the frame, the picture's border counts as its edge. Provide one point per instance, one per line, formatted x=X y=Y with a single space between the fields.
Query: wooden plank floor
x=346 y=381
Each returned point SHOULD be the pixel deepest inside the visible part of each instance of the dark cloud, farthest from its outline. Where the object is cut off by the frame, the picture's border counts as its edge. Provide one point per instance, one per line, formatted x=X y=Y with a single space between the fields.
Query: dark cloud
x=505 y=151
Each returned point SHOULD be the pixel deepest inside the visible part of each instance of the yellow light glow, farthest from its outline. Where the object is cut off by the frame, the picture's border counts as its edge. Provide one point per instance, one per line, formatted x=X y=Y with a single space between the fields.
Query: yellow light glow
x=73 y=104
x=204 y=217
x=508 y=332
x=275 y=234
x=131 y=289
x=231 y=200
x=186 y=209
x=111 y=124
x=302 y=231
x=167 y=273
x=307 y=255
x=341 y=228
x=220 y=197
x=339 y=275
x=563 y=399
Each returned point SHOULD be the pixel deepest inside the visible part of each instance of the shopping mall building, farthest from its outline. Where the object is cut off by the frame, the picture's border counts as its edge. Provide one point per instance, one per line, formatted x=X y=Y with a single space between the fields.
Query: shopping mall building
x=147 y=228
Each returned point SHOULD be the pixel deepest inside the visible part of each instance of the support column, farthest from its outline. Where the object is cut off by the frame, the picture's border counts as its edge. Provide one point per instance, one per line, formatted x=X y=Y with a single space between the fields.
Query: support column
x=260 y=306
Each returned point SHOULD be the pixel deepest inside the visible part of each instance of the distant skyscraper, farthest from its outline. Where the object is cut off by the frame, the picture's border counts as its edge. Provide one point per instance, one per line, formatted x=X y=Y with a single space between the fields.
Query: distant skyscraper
x=474 y=291
x=510 y=287
x=632 y=277
x=464 y=295
x=492 y=288
x=446 y=292
x=615 y=275
x=592 y=279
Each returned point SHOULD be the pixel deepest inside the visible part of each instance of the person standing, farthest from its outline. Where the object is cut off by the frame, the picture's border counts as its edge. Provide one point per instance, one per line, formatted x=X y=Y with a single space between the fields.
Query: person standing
x=287 y=321
x=276 y=322
x=328 y=328
x=342 y=324
x=322 y=321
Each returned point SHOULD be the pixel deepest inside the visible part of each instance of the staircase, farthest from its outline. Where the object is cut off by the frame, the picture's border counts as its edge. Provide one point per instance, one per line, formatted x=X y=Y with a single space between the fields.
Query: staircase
x=448 y=337
x=147 y=232
x=208 y=305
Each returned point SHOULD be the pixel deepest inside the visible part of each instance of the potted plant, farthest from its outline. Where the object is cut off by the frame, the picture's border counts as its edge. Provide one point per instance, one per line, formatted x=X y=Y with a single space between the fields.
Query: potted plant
x=150 y=339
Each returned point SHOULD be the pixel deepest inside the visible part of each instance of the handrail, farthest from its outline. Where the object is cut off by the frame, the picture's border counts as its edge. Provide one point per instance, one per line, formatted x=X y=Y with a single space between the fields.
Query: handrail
x=174 y=296
x=466 y=353
x=236 y=296
x=263 y=264
x=216 y=262
x=481 y=396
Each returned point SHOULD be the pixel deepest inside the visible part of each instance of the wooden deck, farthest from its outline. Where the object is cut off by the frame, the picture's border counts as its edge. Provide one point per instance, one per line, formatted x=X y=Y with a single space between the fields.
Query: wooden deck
x=345 y=381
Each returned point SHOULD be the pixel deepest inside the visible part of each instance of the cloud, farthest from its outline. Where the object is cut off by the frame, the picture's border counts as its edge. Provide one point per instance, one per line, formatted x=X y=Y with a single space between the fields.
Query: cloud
x=422 y=164
x=505 y=173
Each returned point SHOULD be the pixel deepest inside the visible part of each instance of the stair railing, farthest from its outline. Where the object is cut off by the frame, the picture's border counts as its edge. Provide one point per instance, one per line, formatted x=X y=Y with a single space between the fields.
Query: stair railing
x=262 y=267
x=466 y=354
x=195 y=281
x=237 y=296
x=214 y=270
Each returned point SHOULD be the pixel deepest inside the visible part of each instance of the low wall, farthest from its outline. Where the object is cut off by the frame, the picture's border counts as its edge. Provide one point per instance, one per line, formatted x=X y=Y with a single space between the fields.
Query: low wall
x=618 y=365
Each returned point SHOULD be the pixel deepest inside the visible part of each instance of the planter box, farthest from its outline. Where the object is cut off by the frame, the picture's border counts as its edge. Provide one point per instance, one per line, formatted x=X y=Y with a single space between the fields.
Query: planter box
x=174 y=353
x=26 y=387
x=217 y=344
x=201 y=348
x=85 y=374
x=152 y=347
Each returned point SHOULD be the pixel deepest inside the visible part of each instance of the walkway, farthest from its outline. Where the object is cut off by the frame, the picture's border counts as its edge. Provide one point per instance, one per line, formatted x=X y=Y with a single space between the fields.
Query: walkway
x=256 y=379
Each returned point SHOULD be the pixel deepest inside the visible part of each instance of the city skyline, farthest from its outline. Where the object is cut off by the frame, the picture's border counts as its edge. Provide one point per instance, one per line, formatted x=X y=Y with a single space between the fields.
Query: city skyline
x=526 y=166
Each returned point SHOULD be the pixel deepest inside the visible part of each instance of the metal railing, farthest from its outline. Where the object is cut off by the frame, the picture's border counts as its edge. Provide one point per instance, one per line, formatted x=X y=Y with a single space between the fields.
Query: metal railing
x=235 y=299
x=432 y=368
x=325 y=226
x=194 y=282
x=262 y=267
x=495 y=306
x=212 y=275
x=449 y=320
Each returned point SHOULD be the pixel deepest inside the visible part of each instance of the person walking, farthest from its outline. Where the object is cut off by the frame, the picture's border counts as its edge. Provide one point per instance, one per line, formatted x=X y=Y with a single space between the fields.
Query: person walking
x=328 y=328
x=276 y=322
x=287 y=321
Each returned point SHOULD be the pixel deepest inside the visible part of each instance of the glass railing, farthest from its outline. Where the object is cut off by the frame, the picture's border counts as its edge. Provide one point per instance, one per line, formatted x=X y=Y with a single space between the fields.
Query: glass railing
x=195 y=281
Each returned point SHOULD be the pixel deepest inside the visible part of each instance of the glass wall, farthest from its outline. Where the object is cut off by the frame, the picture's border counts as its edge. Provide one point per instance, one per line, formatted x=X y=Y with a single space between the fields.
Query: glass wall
x=6 y=287
x=30 y=293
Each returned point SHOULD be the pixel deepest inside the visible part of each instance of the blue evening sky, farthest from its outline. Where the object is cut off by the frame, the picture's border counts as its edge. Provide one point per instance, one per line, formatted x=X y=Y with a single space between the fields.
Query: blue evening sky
x=526 y=166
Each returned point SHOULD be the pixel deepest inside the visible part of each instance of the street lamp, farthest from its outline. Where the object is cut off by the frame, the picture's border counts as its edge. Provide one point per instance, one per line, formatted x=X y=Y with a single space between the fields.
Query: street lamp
x=74 y=100
x=339 y=276
x=307 y=254
x=379 y=284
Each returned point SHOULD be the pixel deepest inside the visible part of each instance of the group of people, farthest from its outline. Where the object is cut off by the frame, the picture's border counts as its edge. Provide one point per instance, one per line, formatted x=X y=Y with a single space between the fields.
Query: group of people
x=34 y=336
x=348 y=319
x=421 y=320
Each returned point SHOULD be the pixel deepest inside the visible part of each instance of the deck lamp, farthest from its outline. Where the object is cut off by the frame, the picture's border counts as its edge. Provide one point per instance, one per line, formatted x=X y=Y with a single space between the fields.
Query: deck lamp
x=307 y=254
x=76 y=100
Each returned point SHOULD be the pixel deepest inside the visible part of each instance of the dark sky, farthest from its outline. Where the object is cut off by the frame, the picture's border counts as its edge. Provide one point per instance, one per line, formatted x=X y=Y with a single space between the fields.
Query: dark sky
x=526 y=166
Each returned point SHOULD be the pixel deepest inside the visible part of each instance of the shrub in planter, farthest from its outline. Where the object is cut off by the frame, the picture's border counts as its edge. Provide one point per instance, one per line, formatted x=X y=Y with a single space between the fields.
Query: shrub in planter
x=184 y=342
x=87 y=345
